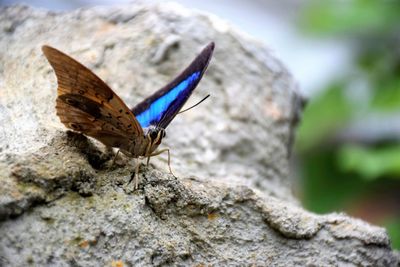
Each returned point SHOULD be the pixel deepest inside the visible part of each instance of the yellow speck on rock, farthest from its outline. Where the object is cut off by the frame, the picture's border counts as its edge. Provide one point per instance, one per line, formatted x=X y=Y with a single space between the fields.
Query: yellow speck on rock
x=84 y=244
x=212 y=216
x=118 y=263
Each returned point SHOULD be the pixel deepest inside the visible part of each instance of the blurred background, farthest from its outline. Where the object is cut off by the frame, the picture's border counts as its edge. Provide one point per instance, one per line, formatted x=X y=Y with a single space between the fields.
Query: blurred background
x=346 y=57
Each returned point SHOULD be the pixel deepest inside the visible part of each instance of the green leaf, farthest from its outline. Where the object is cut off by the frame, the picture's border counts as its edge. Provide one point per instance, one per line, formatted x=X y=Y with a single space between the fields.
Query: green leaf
x=370 y=163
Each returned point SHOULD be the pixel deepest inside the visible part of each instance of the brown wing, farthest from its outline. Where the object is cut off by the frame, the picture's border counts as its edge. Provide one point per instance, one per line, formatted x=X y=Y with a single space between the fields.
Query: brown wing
x=78 y=120
x=86 y=104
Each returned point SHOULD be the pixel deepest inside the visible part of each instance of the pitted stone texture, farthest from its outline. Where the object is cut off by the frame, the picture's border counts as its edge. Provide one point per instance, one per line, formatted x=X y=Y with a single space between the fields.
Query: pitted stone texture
x=63 y=204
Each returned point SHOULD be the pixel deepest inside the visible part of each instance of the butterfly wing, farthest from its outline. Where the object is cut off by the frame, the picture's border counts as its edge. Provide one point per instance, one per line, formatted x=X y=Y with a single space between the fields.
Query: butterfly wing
x=160 y=108
x=83 y=122
x=86 y=104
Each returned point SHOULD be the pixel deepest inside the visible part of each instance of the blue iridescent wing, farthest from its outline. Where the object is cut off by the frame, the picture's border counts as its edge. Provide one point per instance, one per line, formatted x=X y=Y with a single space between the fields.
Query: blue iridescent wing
x=160 y=108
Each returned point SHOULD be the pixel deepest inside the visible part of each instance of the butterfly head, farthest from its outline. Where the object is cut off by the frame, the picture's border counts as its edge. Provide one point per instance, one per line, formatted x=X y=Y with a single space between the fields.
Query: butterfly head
x=155 y=135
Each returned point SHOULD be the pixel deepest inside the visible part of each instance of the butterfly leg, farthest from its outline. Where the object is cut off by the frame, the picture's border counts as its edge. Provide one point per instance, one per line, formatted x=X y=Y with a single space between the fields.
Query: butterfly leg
x=169 y=158
x=115 y=157
x=136 y=177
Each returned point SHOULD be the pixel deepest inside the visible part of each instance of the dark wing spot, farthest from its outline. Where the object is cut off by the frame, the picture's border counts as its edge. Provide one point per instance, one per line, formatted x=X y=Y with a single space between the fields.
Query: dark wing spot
x=75 y=126
x=85 y=104
x=120 y=111
x=70 y=101
x=81 y=92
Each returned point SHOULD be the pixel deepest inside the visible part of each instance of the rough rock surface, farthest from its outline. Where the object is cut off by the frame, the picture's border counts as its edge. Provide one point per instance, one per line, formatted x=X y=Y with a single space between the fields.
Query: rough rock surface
x=61 y=204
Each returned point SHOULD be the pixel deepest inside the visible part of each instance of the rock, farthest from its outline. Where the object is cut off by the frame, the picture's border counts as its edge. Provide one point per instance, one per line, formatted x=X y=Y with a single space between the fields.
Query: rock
x=62 y=204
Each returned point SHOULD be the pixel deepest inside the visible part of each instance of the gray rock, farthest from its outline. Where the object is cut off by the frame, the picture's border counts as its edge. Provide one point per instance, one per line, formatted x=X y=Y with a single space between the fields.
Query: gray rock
x=61 y=203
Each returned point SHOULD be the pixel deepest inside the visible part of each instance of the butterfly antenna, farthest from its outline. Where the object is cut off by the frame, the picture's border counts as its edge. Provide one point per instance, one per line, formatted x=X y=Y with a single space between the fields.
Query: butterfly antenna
x=198 y=103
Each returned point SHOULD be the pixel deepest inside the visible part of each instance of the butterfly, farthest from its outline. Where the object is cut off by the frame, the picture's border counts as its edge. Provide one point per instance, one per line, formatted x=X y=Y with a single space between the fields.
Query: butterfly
x=86 y=104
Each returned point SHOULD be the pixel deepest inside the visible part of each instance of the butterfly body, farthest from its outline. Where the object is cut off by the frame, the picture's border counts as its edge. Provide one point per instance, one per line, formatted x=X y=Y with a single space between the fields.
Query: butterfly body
x=88 y=105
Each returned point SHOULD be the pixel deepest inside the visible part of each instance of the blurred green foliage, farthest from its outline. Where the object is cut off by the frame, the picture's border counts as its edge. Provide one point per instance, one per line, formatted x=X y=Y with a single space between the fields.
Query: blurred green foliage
x=324 y=114
x=352 y=17
x=369 y=162
x=392 y=226
x=337 y=172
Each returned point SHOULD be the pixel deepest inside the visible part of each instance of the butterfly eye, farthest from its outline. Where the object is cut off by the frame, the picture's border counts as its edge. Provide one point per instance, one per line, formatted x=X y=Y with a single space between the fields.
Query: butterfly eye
x=153 y=135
